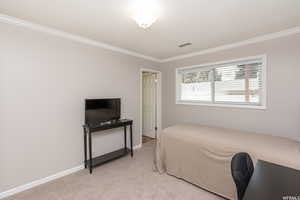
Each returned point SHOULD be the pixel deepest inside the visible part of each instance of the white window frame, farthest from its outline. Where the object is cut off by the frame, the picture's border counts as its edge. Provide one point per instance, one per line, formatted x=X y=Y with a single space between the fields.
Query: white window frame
x=263 y=96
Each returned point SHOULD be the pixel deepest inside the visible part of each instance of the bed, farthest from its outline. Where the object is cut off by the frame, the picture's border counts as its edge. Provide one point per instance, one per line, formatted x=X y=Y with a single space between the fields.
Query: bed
x=202 y=155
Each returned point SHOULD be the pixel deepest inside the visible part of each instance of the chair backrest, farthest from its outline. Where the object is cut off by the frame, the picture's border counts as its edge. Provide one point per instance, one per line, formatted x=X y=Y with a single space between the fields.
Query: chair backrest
x=241 y=171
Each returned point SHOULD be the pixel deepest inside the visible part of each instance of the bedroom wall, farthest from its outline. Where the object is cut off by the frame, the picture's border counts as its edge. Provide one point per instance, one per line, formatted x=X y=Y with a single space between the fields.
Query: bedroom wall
x=44 y=80
x=282 y=116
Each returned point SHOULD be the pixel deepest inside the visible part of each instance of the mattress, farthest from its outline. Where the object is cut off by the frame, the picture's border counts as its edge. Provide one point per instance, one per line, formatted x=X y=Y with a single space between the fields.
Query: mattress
x=202 y=155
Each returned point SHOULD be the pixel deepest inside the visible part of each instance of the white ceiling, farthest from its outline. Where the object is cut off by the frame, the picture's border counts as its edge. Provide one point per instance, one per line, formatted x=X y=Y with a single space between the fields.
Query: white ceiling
x=205 y=23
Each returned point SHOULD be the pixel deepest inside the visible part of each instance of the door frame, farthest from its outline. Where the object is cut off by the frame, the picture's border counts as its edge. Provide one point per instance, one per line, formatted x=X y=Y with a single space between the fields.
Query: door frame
x=158 y=101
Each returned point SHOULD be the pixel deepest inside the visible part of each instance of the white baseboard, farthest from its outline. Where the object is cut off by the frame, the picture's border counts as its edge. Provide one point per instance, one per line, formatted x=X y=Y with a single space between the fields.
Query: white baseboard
x=137 y=146
x=39 y=182
x=30 y=185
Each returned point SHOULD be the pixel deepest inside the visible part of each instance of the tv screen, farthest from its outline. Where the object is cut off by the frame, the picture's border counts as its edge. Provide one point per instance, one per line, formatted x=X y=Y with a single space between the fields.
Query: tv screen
x=101 y=110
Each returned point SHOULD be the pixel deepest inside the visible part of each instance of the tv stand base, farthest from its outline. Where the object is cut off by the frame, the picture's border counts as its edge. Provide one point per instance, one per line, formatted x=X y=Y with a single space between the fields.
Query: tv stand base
x=88 y=130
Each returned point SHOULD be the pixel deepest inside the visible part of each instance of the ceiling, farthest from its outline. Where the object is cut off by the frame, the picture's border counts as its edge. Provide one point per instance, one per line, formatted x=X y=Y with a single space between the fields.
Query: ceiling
x=204 y=23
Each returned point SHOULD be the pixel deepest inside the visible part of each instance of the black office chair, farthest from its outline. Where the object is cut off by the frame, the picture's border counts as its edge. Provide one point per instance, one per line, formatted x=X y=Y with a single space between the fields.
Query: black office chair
x=241 y=171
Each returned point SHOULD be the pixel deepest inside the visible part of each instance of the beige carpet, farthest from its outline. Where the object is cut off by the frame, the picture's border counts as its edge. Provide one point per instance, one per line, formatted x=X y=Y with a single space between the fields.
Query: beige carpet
x=123 y=179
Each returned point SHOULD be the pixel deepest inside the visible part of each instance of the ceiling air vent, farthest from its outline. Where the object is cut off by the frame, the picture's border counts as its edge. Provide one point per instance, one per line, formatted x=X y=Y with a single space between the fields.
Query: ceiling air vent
x=185 y=44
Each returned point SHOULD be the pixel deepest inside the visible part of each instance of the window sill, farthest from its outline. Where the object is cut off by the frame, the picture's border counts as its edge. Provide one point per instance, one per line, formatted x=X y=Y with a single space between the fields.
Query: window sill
x=257 y=107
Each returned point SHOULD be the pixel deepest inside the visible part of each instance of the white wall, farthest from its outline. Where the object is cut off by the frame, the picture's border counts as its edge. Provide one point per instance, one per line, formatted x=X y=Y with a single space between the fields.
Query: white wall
x=43 y=83
x=282 y=116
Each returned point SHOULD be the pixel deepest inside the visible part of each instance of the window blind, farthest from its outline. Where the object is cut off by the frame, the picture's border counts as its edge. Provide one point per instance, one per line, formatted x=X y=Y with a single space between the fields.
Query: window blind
x=226 y=83
x=238 y=83
x=196 y=85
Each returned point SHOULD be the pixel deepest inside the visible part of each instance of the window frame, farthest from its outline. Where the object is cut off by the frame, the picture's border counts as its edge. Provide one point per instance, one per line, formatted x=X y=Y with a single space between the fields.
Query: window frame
x=209 y=66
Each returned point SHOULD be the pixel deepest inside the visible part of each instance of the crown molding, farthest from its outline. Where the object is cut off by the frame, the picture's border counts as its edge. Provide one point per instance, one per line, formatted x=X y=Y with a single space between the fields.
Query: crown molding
x=16 y=21
x=254 y=40
x=13 y=20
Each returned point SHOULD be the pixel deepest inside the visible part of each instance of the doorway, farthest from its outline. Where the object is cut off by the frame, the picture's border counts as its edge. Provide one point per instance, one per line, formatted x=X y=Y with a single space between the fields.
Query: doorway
x=150 y=104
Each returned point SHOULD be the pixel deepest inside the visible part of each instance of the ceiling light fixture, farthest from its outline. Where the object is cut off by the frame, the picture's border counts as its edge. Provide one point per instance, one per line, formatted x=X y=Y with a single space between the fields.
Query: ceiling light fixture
x=145 y=12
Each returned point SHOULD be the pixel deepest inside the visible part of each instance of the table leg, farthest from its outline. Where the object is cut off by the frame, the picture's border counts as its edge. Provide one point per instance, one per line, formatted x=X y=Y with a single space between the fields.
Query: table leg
x=125 y=138
x=131 y=148
x=85 y=147
x=90 y=152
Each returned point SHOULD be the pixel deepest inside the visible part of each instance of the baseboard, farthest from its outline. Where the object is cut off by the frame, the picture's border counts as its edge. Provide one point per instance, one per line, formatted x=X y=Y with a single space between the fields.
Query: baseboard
x=137 y=146
x=39 y=182
x=30 y=185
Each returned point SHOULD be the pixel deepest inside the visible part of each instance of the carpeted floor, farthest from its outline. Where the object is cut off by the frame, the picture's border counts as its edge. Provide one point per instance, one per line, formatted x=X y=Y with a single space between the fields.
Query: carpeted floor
x=123 y=179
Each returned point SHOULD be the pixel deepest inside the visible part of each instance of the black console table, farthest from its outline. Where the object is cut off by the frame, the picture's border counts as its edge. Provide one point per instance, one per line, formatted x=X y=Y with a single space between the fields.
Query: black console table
x=88 y=129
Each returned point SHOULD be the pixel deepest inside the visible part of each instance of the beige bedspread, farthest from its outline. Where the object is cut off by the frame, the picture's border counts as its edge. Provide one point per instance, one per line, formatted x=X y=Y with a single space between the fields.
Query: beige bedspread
x=202 y=155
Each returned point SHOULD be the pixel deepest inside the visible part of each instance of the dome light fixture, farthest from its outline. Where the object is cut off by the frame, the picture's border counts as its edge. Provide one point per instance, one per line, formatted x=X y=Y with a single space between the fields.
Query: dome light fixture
x=145 y=13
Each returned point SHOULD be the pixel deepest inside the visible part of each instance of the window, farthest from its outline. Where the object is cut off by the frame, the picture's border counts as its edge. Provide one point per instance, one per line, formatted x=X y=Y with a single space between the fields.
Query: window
x=239 y=83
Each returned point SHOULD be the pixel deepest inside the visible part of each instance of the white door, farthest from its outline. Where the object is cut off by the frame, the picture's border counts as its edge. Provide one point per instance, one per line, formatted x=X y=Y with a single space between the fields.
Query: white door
x=149 y=104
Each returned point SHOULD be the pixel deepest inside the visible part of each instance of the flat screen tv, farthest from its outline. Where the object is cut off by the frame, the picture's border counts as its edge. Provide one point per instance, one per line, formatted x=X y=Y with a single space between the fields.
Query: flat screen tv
x=101 y=110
